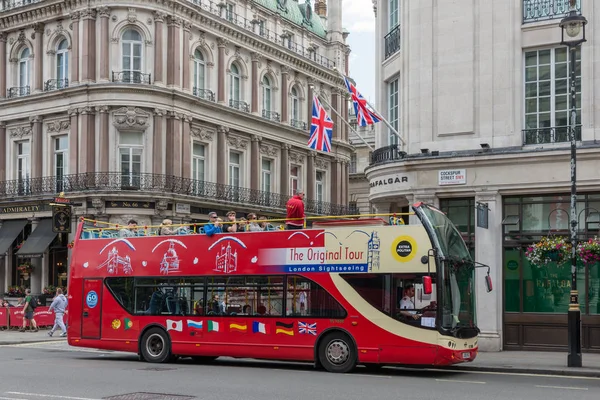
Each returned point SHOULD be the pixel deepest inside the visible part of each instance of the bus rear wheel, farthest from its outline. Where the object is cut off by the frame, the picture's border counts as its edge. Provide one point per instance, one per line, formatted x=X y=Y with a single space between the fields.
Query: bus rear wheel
x=337 y=353
x=156 y=346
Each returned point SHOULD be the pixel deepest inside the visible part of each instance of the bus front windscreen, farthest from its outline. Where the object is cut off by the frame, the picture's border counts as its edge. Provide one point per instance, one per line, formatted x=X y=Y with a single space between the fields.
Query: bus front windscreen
x=456 y=272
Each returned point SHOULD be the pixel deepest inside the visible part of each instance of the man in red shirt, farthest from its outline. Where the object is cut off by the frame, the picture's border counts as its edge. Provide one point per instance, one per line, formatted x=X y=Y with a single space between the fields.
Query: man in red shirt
x=295 y=211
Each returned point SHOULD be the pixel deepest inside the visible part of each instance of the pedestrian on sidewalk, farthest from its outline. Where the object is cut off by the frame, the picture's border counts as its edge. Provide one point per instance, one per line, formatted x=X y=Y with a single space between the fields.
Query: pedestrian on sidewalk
x=59 y=304
x=28 y=309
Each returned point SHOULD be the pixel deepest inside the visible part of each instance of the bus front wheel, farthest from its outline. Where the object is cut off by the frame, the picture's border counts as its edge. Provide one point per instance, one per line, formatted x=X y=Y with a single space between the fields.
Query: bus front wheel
x=156 y=346
x=337 y=353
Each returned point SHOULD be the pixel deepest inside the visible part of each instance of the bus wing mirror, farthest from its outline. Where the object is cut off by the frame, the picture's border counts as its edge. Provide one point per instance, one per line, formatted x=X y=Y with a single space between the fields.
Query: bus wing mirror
x=488 y=283
x=427 y=287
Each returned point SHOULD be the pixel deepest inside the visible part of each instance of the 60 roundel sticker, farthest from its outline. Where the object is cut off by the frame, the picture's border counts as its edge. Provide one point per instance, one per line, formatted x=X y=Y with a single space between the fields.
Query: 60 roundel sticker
x=91 y=299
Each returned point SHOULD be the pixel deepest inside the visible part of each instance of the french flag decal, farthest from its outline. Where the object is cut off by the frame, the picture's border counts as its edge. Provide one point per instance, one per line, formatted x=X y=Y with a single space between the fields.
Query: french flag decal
x=259 y=327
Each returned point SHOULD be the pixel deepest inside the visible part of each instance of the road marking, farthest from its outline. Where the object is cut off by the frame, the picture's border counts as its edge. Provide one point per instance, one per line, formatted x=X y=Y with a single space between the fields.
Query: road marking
x=512 y=373
x=370 y=376
x=561 y=387
x=51 y=396
x=457 y=381
x=11 y=398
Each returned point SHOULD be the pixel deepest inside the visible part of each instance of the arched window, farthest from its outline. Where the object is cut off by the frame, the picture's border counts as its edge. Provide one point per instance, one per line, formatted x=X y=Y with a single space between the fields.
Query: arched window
x=295 y=106
x=24 y=67
x=266 y=94
x=131 y=56
x=62 y=64
x=234 y=83
x=199 y=69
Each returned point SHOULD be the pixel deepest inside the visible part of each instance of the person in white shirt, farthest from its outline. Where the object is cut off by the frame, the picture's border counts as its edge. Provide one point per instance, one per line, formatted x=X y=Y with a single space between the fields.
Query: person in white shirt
x=407 y=305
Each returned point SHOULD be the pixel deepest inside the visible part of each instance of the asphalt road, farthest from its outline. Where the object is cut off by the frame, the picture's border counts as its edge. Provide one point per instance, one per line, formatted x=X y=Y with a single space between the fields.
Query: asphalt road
x=55 y=371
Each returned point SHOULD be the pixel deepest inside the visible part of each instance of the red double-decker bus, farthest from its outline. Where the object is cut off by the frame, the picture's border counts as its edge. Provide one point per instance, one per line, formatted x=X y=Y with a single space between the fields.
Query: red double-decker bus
x=343 y=293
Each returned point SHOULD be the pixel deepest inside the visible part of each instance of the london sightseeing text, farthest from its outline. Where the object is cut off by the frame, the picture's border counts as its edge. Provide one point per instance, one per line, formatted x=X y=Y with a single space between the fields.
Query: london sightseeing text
x=344 y=293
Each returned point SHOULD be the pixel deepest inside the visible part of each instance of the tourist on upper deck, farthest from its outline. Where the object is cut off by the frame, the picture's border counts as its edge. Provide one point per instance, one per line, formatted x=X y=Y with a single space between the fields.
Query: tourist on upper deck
x=295 y=211
x=131 y=229
x=214 y=226
x=231 y=225
x=242 y=225
x=253 y=225
x=166 y=228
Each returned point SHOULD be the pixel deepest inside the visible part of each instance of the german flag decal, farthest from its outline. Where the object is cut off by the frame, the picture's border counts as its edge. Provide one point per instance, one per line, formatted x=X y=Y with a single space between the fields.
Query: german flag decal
x=285 y=329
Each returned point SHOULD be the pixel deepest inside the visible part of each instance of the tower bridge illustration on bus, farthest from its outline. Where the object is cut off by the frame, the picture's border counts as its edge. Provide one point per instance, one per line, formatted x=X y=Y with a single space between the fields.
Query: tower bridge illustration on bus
x=344 y=292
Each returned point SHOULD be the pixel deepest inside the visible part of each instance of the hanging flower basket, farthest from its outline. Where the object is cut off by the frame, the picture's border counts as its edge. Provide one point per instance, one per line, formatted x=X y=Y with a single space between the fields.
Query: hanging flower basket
x=589 y=252
x=548 y=250
x=25 y=268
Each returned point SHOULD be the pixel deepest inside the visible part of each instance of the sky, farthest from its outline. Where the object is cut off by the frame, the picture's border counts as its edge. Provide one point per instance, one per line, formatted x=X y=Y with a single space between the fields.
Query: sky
x=359 y=19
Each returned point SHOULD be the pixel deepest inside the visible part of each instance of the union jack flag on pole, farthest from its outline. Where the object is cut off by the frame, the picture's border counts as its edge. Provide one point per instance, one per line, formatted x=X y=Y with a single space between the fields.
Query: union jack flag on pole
x=321 y=128
x=364 y=115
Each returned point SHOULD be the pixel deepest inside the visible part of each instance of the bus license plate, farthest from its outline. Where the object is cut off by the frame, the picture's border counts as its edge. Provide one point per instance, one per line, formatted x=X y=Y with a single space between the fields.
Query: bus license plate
x=466 y=355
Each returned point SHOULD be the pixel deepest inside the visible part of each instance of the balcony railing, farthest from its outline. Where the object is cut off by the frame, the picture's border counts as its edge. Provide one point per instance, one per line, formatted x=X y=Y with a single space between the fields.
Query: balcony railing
x=204 y=94
x=540 y=10
x=271 y=115
x=132 y=77
x=249 y=25
x=239 y=105
x=298 y=124
x=392 y=42
x=6 y=5
x=18 y=91
x=55 y=84
x=386 y=154
x=145 y=184
x=558 y=134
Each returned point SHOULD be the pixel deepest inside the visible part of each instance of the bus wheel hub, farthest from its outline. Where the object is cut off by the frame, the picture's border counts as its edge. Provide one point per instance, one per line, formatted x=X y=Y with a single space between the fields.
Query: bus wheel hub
x=337 y=352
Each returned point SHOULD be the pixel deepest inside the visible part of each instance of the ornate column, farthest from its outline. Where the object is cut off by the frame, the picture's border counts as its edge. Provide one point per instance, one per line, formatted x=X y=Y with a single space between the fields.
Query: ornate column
x=309 y=99
x=310 y=175
x=75 y=53
x=173 y=147
x=88 y=72
x=285 y=169
x=37 y=143
x=158 y=141
x=285 y=71
x=173 y=51
x=2 y=151
x=38 y=58
x=335 y=181
x=255 y=164
x=344 y=127
x=254 y=102
x=187 y=26
x=87 y=140
x=343 y=182
x=347 y=182
x=335 y=103
x=186 y=159
x=104 y=13
x=221 y=43
x=104 y=147
x=159 y=57
x=3 y=64
x=73 y=142
x=222 y=147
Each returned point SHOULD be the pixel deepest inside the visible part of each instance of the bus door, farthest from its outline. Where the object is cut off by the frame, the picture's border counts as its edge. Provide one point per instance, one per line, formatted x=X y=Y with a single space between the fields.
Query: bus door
x=91 y=318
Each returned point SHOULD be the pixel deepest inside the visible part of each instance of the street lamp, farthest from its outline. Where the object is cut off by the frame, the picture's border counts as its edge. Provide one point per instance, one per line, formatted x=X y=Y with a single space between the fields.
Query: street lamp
x=574 y=27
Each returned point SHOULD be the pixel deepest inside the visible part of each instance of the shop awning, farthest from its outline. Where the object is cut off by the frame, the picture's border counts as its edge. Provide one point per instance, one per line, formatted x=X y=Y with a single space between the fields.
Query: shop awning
x=39 y=240
x=9 y=232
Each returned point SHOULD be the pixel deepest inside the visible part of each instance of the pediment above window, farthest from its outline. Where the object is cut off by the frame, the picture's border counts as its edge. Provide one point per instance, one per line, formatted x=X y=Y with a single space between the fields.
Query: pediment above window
x=131 y=119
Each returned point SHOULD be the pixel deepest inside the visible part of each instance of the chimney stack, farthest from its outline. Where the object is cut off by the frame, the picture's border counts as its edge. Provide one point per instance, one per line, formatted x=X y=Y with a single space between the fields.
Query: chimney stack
x=321 y=8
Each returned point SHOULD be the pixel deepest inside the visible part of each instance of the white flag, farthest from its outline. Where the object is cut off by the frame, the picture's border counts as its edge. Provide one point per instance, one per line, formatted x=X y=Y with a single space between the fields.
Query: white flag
x=174 y=325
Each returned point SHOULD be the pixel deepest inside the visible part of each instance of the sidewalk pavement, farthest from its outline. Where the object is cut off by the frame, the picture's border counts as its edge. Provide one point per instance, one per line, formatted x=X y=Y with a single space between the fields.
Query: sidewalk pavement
x=13 y=336
x=532 y=362
x=523 y=362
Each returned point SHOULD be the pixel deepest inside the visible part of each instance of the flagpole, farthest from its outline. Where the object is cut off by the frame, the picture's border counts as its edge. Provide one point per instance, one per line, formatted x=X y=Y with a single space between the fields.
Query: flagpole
x=385 y=121
x=346 y=122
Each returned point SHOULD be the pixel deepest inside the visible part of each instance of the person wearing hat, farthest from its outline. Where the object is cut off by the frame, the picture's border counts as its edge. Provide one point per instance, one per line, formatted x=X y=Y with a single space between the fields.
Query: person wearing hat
x=213 y=226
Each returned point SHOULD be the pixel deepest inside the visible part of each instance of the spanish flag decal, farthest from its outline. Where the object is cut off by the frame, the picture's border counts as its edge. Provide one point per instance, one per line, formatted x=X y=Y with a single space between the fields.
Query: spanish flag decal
x=283 y=328
x=238 y=328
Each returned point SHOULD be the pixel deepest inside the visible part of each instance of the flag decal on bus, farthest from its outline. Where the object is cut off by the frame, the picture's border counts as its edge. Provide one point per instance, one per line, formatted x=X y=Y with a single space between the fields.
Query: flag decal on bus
x=194 y=324
x=213 y=326
x=286 y=329
x=238 y=327
x=259 y=327
x=307 y=329
x=174 y=325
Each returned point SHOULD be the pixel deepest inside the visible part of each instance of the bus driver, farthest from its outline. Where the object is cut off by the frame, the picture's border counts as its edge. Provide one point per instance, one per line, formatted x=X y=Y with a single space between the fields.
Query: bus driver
x=407 y=305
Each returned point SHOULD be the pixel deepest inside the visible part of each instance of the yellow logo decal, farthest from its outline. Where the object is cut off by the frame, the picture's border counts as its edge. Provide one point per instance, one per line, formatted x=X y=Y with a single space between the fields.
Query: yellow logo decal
x=116 y=324
x=404 y=248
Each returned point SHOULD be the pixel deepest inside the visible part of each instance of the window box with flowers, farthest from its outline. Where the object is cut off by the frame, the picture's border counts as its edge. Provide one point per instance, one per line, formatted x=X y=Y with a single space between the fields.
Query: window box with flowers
x=550 y=249
x=15 y=291
x=25 y=268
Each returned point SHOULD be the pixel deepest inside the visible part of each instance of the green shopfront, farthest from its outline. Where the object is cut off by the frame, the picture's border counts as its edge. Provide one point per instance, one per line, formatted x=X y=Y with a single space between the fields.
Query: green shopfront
x=536 y=299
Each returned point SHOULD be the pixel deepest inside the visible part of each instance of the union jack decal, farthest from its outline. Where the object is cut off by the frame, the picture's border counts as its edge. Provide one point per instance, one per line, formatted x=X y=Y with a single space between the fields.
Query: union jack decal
x=307 y=329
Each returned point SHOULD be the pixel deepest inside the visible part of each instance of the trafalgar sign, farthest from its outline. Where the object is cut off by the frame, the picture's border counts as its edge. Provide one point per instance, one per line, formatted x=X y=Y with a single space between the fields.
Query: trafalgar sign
x=387 y=183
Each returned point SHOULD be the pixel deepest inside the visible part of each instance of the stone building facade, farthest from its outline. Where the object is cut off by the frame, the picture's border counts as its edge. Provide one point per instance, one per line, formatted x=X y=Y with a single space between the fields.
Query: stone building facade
x=147 y=110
